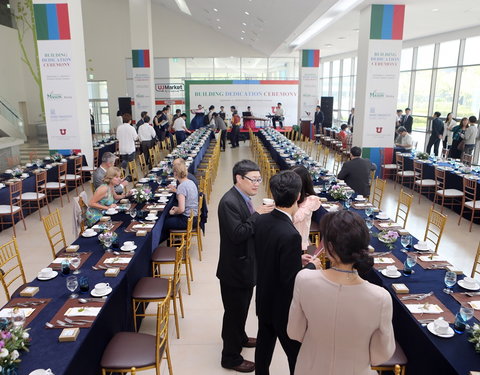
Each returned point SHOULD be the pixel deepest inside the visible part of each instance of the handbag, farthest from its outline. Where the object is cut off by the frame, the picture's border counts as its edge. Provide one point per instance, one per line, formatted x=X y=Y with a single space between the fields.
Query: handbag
x=461 y=145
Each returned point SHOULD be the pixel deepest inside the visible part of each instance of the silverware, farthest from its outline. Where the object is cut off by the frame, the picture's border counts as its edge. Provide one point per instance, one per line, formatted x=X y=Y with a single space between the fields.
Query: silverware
x=426 y=321
x=26 y=304
x=77 y=321
x=437 y=266
x=472 y=294
x=86 y=300
x=417 y=297
x=64 y=324
x=381 y=254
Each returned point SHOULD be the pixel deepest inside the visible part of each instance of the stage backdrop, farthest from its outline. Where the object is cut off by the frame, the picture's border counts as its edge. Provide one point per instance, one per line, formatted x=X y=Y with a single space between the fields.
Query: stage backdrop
x=261 y=96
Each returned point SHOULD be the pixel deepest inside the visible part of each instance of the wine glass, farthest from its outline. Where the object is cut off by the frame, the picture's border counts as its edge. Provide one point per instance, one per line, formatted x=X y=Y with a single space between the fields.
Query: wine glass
x=405 y=240
x=18 y=317
x=369 y=211
x=72 y=285
x=133 y=213
x=75 y=262
x=450 y=281
x=348 y=204
x=409 y=264
x=369 y=222
x=348 y=194
x=107 y=242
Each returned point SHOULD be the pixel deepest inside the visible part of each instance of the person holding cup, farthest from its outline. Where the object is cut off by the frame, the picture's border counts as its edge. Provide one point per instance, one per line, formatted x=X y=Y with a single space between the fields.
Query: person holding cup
x=104 y=197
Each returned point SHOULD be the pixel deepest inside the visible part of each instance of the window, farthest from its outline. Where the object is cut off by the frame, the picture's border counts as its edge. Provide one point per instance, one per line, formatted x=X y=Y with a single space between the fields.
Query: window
x=421 y=94
x=471 y=56
x=425 y=56
x=228 y=67
x=345 y=97
x=254 y=68
x=336 y=68
x=347 y=67
x=469 y=96
x=444 y=88
x=448 y=55
x=403 y=90
x=282 y=68
x=406 y=59
x=325 y=87
x=176 y=67
x=199 y=68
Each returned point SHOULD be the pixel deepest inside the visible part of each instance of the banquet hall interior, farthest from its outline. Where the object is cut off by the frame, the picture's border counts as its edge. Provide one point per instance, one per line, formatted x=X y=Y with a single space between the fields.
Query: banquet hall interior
x=72 y=70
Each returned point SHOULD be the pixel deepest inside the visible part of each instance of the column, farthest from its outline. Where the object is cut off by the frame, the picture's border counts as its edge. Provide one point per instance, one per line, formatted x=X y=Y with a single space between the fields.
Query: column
x=61 y=52
x=308 y=92
x=142 y=57
x=378 y=70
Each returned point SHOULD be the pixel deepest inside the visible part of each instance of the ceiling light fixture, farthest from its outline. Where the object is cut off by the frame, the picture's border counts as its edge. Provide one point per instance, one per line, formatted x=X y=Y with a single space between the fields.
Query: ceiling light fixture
x=215 y=9
x=242 y=38
x=247 y=13
x=244 y=24
x=218 y=19
x=182 y=5
x=435 y=10
x=243 y=31
x=219 y=27
x=335 y=12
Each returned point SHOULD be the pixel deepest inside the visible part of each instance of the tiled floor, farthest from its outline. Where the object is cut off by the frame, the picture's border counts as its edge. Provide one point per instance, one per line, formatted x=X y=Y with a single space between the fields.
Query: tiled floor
x=198 y=349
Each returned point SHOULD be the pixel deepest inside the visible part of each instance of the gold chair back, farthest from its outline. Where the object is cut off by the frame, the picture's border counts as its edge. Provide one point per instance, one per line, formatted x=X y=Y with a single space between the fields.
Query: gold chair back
x=54 y=229
x=161 y=341
x=467 y=159
x=11 y=268
x=153 y=157
x=378 y=190
x=403 y=208
x=445 y=153
x=143 y=163
x=132 y=167
x=434 y=230
x=83 y=207
x=476 y=262
x=469 y=198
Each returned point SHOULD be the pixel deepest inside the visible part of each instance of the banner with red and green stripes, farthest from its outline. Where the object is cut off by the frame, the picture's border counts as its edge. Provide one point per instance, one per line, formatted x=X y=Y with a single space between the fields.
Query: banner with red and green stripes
x=141 y=58
x=386 y=22
x=310 y=58
x=52 y=21
x=375 y=156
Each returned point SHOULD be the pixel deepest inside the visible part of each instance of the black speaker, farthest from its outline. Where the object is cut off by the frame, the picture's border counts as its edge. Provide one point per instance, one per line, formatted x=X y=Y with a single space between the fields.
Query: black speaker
x=125 y=105
x=326 y=103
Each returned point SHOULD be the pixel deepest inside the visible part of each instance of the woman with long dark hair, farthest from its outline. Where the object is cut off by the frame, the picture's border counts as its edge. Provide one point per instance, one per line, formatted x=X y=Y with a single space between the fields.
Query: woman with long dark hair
x=458 y=131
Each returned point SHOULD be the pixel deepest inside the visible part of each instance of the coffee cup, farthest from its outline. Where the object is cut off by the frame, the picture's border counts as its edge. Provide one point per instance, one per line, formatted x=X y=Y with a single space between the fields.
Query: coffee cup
x=111 y=210
x=151 y=216
x=45 y=272
x=422 y=245
x=89 y=231
x=163 y=198
x=268 y=202
x=41 y=371
x=360 y=197
x=129 y=244
x=101 y=288
x=469 y=282
x=391 y=270
x=382 y=215
x=441 y=326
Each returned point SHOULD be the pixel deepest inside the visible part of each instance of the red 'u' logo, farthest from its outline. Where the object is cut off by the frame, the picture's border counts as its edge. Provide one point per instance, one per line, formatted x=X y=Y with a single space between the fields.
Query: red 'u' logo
x=379 y=130
x=63 y=131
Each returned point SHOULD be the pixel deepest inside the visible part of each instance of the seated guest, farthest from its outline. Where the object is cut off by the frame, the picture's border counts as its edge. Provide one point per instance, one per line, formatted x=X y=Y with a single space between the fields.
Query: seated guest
x=338 y=304
x=343 y=135
x=404 y=140
x=190 y=176
x=180 y=128
x=187 y=198
x=108 y=161
x=356 y=172
x=104 y=197
x=307 y=203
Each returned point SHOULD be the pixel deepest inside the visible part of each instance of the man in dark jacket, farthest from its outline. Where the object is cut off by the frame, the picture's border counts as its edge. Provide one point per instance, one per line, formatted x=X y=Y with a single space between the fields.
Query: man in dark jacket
x=318 y=119
x=437 y=134
x=236 y=265
x=356 y=172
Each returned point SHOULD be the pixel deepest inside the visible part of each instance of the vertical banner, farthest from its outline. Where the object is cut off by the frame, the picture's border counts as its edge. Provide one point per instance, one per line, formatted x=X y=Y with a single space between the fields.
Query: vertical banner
x=62 y=67
x=142 y=78
x=308 y=83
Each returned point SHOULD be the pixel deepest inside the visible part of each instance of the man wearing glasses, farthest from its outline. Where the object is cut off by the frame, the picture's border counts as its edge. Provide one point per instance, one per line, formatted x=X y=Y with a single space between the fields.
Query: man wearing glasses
x=236 y=266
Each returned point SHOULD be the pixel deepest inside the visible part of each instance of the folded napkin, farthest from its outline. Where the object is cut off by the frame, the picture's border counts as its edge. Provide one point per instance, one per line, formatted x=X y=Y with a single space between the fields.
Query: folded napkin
x=432 y=258
x=143 y=226
x=475 y=304
x=389 y=225
x=121 y=260
x=381 y=260
x=363 y=205
x=424 y=308
x=58 y=260
x=83 y=311
x=98 y=226
x=7 y=312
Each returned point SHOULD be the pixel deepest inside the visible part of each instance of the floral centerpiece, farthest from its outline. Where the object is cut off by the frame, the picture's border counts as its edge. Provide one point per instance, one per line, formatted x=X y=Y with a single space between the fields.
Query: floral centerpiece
x=142 y=194
x=422 y=156
x=475 y=337
x=338 y=192
x=107 y=236
x=16 y=172
x=57 y=157
x=388 y=237
x=12 y=341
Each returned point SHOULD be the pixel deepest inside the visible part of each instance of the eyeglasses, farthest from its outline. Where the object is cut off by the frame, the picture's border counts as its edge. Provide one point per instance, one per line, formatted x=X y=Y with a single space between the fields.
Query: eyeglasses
x=254 y=180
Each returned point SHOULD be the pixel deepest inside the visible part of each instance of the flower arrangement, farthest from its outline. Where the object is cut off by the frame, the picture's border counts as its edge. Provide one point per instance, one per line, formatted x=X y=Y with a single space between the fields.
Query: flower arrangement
x=338 y=192
x=12 y=340
x=107 y=236
x=388 y=237
x=475 y=337
x=422 y=156
x=16 y=172
x=57 y=157
x=142 y=194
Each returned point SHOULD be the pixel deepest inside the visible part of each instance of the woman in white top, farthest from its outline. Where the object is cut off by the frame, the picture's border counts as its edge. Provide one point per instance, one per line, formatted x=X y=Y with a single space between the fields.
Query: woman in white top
x=343 y=322
x=450 y=123
x=180 y=128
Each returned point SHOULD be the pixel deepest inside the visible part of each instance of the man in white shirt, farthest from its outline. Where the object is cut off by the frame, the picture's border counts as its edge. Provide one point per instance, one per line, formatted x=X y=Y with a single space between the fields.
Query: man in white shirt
x=470 y=136
x=126 y=135
x=404 y=140
x=180 y=128
x=147 y=135
x=108 y=161
x=279 y=113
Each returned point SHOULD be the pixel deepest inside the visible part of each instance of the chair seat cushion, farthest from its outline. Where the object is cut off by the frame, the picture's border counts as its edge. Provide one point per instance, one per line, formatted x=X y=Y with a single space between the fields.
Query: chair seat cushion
x=389 y=166
x=164 y=254
x=314 y=226
x=6 y=209
x=398 y=358
x=178 y=231
x=407 y=173
x=450 y=193
x=473 y=205
x=426 y=182
x=129 y=349
x=86 y=168
x=72 y=177
x=151 y=288
x=53 y=185
x=32 y=196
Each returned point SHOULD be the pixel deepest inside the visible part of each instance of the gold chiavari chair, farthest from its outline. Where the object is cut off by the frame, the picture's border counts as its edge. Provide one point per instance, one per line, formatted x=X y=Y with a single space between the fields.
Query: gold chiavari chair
x=455 y=197
x=378 y=189
x=197 y=233
x=326 y=153
x=467 y=159
x=337 y=163
x=143 y=163
x=132 y=168
x=153 y=157
x=158 y=154
x=12 y=211
x=58 y=188
x=403 y=208
x=39 y=196
x=83 y=208
x=403 y=176
x=54 y=230
x=11 y=268
x=397 y=364
x=434 y=230
x=127 y=351
x=88 y=170
x=75 y=179
x=470 y=201
x=476 y=262
x=422 y=185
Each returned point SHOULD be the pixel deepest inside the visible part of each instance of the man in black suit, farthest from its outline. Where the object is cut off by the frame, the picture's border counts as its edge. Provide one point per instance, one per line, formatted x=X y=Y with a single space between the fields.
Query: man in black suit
x=237 y=264
x=356 y=172
x=318 y=119
x=278 y=247
x=351 y=119
x=407 y=120
x=437 y=134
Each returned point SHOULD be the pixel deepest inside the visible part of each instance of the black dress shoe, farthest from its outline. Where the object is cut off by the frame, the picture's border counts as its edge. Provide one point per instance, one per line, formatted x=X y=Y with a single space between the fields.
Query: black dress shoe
x=245 y=366
x=251 y=343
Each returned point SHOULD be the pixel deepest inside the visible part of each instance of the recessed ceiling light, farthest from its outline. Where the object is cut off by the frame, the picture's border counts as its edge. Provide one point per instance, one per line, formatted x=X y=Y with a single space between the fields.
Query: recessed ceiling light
x=435 y=10
x=243 y=31
x=328 y=45
x=244 y=24
x=247 y=13
x=218 y=27
x=215 y=9
x=218 y=19
x=242 y=38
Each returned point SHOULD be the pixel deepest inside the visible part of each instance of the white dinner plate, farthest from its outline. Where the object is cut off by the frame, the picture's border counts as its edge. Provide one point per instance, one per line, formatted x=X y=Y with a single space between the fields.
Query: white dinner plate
x=123 y=248
x=112 y=213
x=431 y=328
x=420 y=248
x=53 y=275
x=89 y=235
x=462 y=284
x=151 y=219
x=396 y=276
x=107 y=292
x=382 y=218
x=360 y=199
x=143 y=180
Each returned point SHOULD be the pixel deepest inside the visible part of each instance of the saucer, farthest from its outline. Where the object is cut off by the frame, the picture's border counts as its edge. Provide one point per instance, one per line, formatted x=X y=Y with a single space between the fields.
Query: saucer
x=462 y=284
x=89 y=235
x=382 y=217
x=143 y=180
x=106 y=293
x=396 y=276
x=152 y=218
x=130 y=249
x=155 y=169
x=420 y=248
x=431 y=328
x=111 y=213
x=52 y=276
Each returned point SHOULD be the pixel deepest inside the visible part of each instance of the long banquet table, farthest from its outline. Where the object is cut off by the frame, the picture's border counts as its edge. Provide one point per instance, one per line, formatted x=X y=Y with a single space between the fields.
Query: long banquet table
x=426 y=353
x=83 y=356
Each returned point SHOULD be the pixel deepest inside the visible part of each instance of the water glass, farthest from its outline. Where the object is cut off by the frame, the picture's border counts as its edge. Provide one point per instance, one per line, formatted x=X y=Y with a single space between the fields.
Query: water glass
x=133 y=213
x=409 y=264
x=450 y=281
x=406 y=240
x=462 y=317
x=75 y=262
x=348 y=194
x=65 y=267
x=369 y=222
x=72 y=285
x=107 y=242
x=369 y=211
x=18 y=317
x=83 y=283
x=348 y=203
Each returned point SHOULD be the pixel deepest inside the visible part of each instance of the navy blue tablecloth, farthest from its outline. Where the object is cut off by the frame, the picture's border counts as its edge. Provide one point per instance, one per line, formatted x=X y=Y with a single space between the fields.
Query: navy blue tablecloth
x=282 y=164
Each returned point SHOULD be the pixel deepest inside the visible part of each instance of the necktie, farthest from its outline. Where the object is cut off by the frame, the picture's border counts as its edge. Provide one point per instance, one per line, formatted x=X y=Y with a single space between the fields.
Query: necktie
x=250 y=206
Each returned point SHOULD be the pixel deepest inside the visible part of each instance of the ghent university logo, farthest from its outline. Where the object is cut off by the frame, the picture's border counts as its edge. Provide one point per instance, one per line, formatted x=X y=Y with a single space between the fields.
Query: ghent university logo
x=63 y=131
x=379 y=129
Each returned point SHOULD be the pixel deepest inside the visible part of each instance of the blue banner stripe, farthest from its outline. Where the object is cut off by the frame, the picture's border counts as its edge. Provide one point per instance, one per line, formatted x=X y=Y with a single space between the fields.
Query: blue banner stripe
x=52 y=22
x=238 y=82
x=387 y=22
x=141 y=62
